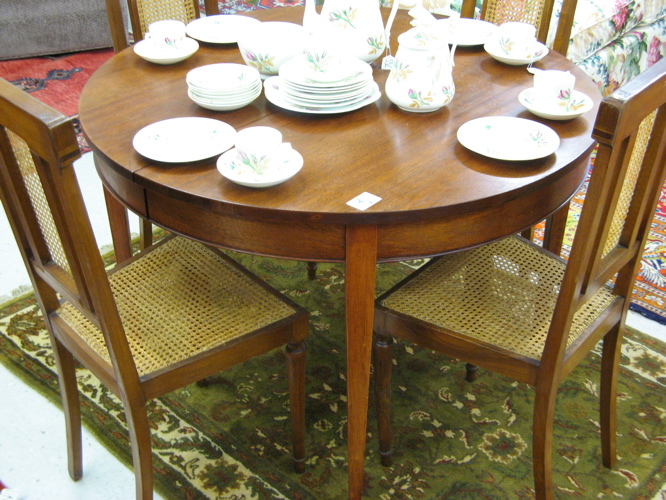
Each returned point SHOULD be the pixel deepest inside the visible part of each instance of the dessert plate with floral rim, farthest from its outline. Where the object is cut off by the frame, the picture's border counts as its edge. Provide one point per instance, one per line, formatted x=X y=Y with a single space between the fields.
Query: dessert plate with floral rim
x=182 y=140
x=508 y=138
x=578 y=104
x=492 y=47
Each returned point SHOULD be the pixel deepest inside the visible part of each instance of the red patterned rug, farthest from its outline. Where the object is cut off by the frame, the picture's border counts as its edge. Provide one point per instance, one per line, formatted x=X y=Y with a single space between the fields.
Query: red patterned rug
x=58 y=81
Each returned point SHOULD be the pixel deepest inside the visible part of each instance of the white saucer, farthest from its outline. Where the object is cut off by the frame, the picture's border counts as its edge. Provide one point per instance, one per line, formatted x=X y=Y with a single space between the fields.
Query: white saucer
x=182 y=140
x=229 y=166
x=223 y=28
x=508 y=138
x=492 y=47
x=145 y=50
x=579 y=102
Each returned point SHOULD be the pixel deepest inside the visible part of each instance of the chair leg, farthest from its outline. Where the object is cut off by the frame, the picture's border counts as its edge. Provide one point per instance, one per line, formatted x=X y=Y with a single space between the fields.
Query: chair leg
x=295 y=354
x=312 y=271
x=610 y=361
x=145 y=234
x=142 y=458
x=472 y=372
x=69 y=392
x=542 y=441
x=382 y=348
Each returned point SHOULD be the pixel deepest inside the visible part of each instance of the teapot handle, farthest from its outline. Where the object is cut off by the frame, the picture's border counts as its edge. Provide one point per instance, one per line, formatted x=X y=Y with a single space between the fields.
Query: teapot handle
x=389 y=23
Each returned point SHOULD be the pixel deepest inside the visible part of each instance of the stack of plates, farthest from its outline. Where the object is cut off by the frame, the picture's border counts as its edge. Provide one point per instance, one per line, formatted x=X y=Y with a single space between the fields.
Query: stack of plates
x=298 y=88
x=224 y=86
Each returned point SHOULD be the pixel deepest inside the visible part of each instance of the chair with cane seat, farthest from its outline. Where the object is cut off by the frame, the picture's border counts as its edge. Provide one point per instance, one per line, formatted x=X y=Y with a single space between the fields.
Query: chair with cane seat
x=167 y=317
x=519 y=310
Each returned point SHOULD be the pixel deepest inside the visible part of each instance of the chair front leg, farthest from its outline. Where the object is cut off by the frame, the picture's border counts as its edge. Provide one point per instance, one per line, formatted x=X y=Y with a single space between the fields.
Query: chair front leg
x=542 y=442
x=142 y=456
x=383 y=355
x=610 y=365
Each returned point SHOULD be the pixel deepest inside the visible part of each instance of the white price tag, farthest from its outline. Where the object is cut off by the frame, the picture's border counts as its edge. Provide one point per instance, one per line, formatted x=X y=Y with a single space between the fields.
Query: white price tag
x=363 y=201
x=387 y=62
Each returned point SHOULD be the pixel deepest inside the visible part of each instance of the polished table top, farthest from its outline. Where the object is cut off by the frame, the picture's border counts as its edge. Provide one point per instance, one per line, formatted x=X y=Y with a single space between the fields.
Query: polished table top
x=436 y=196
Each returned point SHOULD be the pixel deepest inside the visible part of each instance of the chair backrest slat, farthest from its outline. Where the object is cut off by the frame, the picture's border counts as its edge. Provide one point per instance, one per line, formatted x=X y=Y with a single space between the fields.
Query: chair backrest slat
x=623 y=192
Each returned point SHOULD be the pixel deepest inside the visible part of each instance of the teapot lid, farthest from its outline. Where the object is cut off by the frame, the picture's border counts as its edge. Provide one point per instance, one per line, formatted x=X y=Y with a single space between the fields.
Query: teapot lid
x=424 y=38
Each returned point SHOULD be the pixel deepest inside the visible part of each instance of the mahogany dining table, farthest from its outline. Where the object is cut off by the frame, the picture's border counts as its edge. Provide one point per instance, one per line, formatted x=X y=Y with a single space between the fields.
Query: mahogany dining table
x=436 y=195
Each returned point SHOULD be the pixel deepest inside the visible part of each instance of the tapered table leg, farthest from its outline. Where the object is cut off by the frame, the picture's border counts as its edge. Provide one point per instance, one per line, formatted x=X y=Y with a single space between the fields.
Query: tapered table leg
x=120 y=231
x=360 y=275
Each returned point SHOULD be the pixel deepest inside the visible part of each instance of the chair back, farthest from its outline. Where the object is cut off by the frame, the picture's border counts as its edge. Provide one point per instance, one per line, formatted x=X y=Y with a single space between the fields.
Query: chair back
x=535 y=12
x=624 y=188
x=45 y=208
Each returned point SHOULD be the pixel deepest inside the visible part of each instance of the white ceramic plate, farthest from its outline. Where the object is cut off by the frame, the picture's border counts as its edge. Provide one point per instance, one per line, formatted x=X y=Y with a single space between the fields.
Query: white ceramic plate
x=471 y=32
x=297 y=70
x=222 y=77
x=220 y=29
x=508 y=138
x=492 y=47
x=579 y=104
x=181 y=140
x=145 y=50
x=229 y=166
x=275 y=94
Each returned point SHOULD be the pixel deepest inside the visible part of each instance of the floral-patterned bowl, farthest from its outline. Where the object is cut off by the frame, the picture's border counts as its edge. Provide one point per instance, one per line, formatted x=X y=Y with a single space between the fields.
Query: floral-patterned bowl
x=268 y=45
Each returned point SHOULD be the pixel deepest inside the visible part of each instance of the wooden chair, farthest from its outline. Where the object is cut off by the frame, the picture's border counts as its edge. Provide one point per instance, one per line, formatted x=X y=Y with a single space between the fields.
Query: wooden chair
x=168 y=317
x=523 y=312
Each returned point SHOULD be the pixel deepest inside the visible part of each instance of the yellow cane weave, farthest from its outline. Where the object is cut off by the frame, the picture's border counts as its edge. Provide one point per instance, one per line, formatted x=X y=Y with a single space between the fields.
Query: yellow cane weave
x=504 y=11
x=38 y=200
x=158 y=10
x=179 y=300
x=503 y=293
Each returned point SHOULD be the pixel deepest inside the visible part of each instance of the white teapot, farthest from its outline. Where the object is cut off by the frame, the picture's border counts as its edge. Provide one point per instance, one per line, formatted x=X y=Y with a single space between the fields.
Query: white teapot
x=353 y=27
x=421 y=79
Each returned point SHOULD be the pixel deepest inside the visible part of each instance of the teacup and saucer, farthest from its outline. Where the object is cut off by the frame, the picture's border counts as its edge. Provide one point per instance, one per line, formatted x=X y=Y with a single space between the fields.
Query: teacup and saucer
x=553 y=96
x=166 y=43
x=260 y=158
x=515 y=43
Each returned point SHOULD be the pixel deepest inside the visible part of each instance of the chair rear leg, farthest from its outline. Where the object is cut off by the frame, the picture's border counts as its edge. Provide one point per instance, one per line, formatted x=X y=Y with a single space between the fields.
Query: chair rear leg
x=610 y=362
x=295 y=354
x=142 y=457
x=69 y=393
x=472 y=372
x=382 y=349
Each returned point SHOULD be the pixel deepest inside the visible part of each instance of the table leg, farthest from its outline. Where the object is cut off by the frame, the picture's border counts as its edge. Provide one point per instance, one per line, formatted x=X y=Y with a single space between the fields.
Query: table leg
x=360 y=275
x=120 y=231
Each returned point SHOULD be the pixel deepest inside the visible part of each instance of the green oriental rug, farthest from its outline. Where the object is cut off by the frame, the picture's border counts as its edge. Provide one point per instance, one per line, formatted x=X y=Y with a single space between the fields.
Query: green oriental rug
x=453 y=439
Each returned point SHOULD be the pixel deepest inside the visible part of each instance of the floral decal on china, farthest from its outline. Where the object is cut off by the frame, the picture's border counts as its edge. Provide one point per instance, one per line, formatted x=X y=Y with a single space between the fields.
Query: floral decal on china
x=568 y=102
x=260 y=61
x=400 y=71
x=418 y=99
x=376 y=44
x=343 y=17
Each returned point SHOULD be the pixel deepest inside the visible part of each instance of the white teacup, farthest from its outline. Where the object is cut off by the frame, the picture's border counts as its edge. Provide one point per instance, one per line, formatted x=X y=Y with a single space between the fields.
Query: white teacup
x=166 y=35
x=517 y=39
x=552 y=89
x=261 y=148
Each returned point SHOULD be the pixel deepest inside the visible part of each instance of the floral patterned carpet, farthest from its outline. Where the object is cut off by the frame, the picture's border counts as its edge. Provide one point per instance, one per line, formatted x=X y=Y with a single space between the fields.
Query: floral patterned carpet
x=453 y=439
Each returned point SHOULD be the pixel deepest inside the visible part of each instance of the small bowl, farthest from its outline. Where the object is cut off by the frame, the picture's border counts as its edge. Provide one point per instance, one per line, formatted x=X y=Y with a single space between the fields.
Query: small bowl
x=145 y=50
x=267 y=46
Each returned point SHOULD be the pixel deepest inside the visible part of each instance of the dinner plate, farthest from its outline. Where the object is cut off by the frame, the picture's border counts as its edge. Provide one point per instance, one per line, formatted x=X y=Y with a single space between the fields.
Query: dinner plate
x=579 y=103
x=181 y=140
x=223 y=28
x=229 y=166
x=145 y=50
x=508 y=138
x=470 y=32
x=275 y=94
x=493 y=48
x=297 y=70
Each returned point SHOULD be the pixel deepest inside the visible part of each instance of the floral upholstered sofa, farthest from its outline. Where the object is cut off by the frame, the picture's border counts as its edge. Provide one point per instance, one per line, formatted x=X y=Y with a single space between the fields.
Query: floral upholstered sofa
x=615 y=40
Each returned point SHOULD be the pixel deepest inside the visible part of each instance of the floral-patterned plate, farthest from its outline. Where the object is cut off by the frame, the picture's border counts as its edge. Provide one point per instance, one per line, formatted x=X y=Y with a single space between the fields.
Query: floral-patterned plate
x=181 y=140
x=576 y=104
x=232 y=167
x=223 y=28
x=492 y=47
x=508 y=138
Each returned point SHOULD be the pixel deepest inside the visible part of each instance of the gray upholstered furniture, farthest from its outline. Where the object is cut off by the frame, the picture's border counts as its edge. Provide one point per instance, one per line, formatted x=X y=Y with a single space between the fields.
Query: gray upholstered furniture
x=40 y=27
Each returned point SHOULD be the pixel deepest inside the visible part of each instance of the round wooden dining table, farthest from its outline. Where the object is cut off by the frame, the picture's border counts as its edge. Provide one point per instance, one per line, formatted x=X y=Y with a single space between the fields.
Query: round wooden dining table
x=436 y=195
